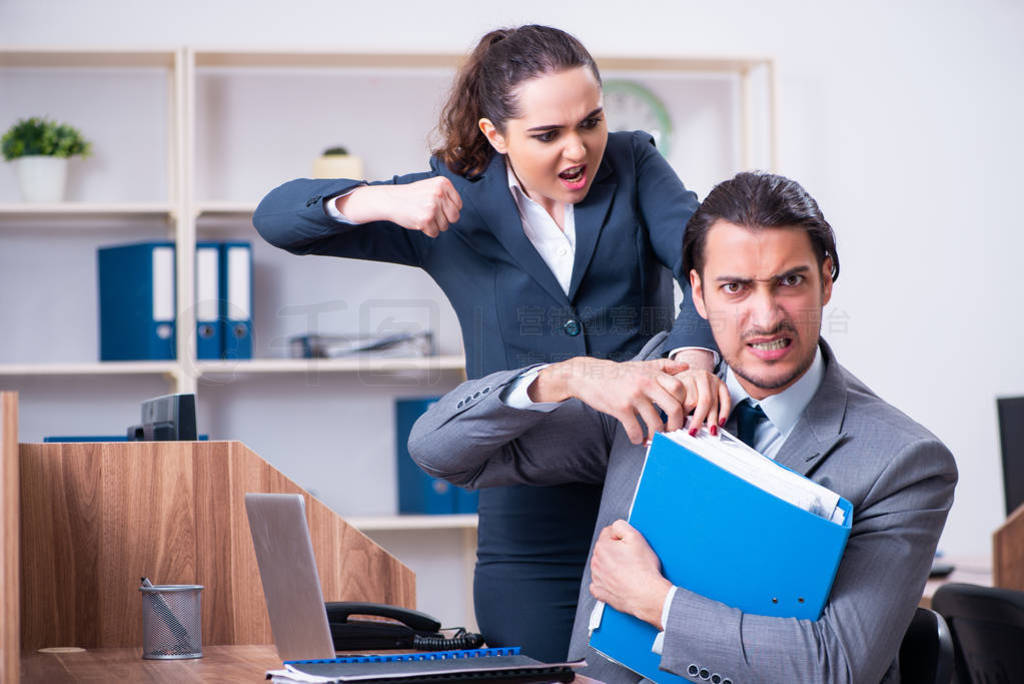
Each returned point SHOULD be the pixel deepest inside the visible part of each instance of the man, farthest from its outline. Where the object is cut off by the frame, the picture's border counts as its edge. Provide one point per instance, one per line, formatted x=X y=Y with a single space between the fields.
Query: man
x=762 y=262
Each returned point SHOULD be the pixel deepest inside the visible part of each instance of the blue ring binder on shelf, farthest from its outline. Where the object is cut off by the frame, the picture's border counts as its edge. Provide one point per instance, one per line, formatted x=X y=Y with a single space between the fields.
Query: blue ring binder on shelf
x=209 y=334
x=138 y=304
x=137 y=301
x=418 y=492
x=236 y=300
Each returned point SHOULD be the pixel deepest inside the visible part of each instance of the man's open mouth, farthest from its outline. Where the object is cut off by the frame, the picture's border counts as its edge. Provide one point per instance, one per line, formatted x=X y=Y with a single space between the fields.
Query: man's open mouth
x=772 y=345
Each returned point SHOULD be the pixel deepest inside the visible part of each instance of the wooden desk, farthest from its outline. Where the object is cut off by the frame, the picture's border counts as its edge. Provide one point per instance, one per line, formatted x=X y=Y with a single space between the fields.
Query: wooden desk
x=219 y=664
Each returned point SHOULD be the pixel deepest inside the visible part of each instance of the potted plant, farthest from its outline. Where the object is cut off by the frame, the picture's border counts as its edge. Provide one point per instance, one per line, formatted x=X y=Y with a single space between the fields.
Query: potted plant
x=336 y=162
x=40 y=148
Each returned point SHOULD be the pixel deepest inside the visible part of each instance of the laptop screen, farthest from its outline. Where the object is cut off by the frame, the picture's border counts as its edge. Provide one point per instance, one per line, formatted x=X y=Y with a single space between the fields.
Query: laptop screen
x=291 y=585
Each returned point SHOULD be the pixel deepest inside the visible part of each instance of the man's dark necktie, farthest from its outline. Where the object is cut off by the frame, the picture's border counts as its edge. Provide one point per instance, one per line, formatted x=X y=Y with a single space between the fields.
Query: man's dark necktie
x=748 y=418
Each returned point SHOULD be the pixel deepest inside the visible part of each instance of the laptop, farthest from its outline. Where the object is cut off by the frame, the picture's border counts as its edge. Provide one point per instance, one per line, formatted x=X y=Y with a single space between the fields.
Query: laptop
x=298 y=619
x=291 y=585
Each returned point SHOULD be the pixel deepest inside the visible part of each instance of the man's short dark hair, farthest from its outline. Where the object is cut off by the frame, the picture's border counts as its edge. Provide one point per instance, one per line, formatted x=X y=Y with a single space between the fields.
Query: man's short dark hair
x=759 y=200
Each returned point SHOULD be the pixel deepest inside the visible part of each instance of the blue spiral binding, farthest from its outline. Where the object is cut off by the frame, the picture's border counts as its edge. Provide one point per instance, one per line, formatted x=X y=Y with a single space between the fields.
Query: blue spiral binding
x=414 y=657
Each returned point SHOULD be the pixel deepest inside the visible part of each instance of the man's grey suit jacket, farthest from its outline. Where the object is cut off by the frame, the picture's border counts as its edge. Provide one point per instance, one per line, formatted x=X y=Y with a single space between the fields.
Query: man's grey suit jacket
x=898 y=476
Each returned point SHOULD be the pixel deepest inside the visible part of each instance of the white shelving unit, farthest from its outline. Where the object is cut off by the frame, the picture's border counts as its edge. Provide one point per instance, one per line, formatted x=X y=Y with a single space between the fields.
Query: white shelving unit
x=390 y=523
x=107 y=368
x=186 y=141
x=346 y=365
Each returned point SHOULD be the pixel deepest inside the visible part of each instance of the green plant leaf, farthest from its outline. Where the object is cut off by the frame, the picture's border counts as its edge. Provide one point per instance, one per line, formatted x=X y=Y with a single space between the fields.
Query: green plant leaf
x=41 y=136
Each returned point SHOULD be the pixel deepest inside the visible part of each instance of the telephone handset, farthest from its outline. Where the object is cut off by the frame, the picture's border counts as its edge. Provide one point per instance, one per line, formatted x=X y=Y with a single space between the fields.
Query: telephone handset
x=413 y=629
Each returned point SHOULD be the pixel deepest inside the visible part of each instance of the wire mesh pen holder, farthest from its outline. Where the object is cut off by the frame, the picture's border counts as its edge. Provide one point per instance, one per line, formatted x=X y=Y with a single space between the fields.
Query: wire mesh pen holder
x=171 y=622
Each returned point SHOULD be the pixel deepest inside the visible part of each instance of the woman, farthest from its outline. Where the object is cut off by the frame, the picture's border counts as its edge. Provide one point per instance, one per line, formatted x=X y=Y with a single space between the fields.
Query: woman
x=550 y=237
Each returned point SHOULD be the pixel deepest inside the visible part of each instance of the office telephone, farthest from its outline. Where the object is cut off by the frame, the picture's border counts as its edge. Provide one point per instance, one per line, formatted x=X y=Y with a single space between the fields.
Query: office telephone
x=412 y=629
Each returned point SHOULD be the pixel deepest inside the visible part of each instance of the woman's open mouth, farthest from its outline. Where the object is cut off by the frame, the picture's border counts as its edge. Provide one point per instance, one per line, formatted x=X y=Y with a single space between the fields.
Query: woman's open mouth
x=575 y=177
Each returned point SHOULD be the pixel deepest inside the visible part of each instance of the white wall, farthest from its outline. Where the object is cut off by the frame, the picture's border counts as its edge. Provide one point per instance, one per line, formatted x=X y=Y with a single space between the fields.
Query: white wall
x=901 y=118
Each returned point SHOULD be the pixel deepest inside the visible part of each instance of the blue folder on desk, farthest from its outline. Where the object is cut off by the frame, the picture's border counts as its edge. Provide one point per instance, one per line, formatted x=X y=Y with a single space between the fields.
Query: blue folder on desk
x=724 y=538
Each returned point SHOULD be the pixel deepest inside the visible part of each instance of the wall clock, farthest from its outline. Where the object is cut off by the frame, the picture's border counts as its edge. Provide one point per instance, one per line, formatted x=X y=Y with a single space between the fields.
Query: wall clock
x=631 y=106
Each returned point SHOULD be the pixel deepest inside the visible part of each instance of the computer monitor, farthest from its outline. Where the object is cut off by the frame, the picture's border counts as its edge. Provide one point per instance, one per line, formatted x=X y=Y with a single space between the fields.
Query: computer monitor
x=1011 y=435
x=171 y=417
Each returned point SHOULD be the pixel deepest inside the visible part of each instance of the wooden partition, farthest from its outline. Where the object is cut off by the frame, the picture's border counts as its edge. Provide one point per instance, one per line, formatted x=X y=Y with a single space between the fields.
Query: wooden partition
x=97 y=517
x=1008 y=552
x=9 y=564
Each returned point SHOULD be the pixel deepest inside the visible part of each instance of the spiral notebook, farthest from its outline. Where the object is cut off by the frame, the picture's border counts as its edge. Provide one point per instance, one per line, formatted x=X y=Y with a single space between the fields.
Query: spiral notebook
x=479 y=665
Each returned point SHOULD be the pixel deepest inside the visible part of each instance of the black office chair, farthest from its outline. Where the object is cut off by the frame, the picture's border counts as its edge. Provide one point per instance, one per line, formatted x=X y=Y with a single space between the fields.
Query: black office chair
x=926 y=653
x=988 y=632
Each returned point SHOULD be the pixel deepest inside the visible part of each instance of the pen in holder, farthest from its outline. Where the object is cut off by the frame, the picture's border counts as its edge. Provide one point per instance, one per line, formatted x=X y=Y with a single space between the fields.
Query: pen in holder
x=171 y=621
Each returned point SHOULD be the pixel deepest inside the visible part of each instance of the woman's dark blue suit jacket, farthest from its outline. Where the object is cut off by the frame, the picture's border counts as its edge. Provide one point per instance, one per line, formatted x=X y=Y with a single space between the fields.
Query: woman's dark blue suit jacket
x=532 y=541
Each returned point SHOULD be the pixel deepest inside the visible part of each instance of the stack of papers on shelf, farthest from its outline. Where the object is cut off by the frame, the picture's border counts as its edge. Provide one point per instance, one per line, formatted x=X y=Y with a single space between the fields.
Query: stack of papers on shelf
x=312 y=346
x=732 y=526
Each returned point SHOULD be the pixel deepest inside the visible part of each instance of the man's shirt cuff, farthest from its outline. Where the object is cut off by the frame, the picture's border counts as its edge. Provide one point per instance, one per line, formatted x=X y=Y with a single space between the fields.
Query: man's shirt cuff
x=517 y=394
x=716 y=358
x=659 y=641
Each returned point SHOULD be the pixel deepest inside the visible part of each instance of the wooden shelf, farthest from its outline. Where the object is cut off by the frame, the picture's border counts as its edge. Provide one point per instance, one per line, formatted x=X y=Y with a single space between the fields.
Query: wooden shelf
x=299 y=58
x=86 y=57
x=73 y=210
x=349 y=365
x=255 y=366
x=225 y=209
x=306 y=58
x=460 y=521
x=696 y=64
x=95 y=368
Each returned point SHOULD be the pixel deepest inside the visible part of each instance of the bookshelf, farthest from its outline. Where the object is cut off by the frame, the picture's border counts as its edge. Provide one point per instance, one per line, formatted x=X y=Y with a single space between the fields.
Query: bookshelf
x=186 y=142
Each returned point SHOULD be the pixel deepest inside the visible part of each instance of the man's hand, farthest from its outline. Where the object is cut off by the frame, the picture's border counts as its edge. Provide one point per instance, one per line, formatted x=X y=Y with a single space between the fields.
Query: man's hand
x=622 y=390
x=626 y=574
x=429 y=205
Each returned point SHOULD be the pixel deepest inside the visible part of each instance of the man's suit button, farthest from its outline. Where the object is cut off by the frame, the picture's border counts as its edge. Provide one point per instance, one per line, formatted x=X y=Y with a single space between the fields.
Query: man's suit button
x=486 y=390
x=313 y=200
x=716 y=679
x=459 y=405
x=704 y=674
x=572 y=327
x=693 y=670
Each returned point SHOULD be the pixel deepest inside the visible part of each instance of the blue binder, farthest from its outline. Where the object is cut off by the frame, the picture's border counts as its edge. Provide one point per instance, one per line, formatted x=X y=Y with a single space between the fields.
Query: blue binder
x=209 y=337
x=466 y=500
x=418 y=492
x=721 y=537
x=236 y=300
x=137 y=301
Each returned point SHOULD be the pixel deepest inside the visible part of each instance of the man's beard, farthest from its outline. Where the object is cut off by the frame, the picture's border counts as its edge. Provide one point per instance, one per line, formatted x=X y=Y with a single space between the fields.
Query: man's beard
x=774 y=384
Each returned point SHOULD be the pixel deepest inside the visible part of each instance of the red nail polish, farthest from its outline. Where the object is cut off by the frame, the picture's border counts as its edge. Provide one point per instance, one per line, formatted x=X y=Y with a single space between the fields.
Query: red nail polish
x=721 y=422
x=693 y=432
x=714 y=430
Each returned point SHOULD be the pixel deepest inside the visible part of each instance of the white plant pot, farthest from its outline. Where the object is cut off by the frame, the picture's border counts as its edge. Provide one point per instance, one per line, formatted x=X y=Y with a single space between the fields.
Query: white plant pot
x=42 y=178
x=338 y=166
